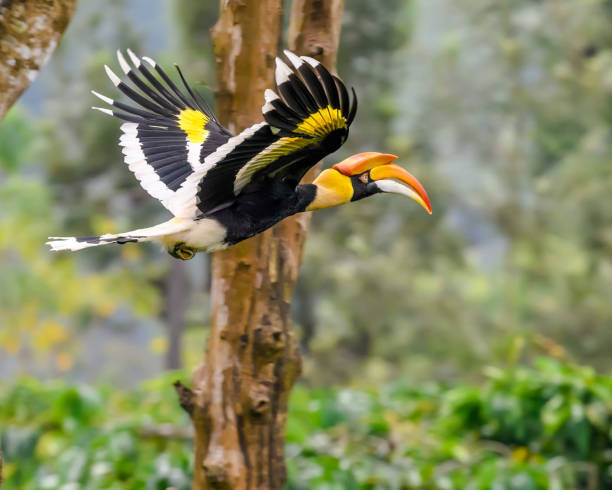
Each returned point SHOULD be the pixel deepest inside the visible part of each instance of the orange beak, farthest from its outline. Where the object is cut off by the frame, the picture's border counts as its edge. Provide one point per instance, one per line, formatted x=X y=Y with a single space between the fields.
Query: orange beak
x=382 y=171
x=357 y=164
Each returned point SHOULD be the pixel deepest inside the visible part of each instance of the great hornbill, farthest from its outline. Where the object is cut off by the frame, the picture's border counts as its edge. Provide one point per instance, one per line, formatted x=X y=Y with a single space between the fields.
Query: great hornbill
x=223 y=188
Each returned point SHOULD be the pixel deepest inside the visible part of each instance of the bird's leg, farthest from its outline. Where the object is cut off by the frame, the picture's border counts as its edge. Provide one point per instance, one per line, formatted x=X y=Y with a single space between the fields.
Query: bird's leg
x=182 y=251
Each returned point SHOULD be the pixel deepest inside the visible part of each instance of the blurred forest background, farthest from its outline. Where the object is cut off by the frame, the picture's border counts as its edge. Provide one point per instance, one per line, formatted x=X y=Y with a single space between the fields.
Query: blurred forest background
x=503 y=111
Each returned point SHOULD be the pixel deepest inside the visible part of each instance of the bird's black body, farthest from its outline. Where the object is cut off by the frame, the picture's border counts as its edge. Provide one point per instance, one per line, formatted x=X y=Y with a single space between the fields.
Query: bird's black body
x=265 y=205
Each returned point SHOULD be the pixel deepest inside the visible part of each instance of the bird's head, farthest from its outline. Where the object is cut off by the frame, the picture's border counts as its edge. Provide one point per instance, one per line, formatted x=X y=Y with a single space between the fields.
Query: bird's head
x=363 y=175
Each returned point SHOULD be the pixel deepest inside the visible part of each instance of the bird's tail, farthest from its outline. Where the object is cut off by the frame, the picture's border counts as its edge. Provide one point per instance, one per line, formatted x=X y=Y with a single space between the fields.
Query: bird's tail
x=175 y=225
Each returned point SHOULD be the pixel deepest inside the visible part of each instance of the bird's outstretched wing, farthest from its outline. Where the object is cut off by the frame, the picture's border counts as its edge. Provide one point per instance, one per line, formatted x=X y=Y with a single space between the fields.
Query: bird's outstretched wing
x=306 y=118
x=168 y=134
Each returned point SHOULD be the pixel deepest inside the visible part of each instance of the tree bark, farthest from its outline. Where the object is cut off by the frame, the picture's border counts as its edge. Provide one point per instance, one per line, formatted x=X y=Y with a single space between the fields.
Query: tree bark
x=241 y=390
x=29 y=32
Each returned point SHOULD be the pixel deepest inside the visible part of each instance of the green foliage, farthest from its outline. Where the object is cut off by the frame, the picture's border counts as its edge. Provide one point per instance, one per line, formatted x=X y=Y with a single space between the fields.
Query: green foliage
x=78 y=437
x=546 y=427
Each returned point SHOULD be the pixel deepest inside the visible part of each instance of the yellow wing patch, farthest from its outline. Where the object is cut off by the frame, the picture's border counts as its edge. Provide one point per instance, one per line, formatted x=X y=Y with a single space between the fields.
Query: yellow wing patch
x=193 y=123
x=322 y=122
x=276 y=150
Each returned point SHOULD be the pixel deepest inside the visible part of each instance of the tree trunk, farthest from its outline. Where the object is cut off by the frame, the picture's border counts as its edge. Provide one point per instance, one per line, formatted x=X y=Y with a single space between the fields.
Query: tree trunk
x=241 y=390
x=29 y=32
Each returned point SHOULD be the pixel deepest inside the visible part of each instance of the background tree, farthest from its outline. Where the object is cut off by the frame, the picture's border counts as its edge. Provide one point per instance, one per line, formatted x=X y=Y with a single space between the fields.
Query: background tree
x=29 y=32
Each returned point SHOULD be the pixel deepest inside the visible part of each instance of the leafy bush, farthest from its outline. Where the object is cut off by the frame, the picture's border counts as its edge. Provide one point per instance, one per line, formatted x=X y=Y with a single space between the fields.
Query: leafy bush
x=546 y=427
x=78 y=437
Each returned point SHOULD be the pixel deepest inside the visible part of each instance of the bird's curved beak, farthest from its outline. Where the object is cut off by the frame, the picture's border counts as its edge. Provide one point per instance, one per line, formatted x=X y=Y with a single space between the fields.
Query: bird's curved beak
x=385 y=175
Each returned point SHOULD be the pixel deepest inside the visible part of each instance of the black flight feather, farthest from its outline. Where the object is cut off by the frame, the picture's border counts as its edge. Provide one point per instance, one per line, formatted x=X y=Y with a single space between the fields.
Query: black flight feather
x=314 y=85
x=328 y=85
x=149 y=92
x=172 y=86
x=160 y=88
x=287 y=93
x=136 y=97
x=353 y=111
x=344 y=97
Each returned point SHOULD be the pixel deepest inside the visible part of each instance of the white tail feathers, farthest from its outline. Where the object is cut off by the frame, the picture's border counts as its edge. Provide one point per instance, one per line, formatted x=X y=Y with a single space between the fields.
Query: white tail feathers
x=142 y=235
x=58 y=243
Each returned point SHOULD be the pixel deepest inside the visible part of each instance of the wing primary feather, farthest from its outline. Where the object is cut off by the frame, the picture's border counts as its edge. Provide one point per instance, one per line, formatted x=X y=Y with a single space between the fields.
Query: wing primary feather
x=104 y=110
x=167 y=160
x=300 y=88
x=160 y=151
x=138 y=81
x=104 y=98
x=196 y=102
x=328 y=85
x=171 y=84
x=344 y=97
x=285 y=111
x=304 y=94
x=274 y=119
x=149 y=91
x=144 y=114
x=111 y=74
x=176 y=183
x=162 y=90
x=295 y=60
x=154 y=141
x=290 y=98
x=311 y=61
x=282 y=72
x=125 y=116
x=314 y=85
x=170 y=170
x=208 y=110
x=135 y=59
x=128 y=108
x=136 y=97
x=353 y=111
x=147 y=130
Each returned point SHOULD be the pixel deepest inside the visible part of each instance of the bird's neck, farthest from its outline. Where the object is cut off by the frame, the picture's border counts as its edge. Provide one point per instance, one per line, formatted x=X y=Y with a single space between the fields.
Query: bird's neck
x=303 y=196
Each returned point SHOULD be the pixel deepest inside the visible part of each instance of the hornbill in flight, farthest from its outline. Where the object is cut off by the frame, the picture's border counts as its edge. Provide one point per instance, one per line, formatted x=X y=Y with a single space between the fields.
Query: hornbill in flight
x=224 y=188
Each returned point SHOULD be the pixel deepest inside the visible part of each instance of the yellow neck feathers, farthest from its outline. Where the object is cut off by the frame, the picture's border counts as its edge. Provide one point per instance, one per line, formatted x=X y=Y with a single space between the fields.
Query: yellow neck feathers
x=333 y=189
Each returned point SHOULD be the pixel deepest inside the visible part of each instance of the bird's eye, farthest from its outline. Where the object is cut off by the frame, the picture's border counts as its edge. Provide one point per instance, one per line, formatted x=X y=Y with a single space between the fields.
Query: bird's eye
x=364 y=178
